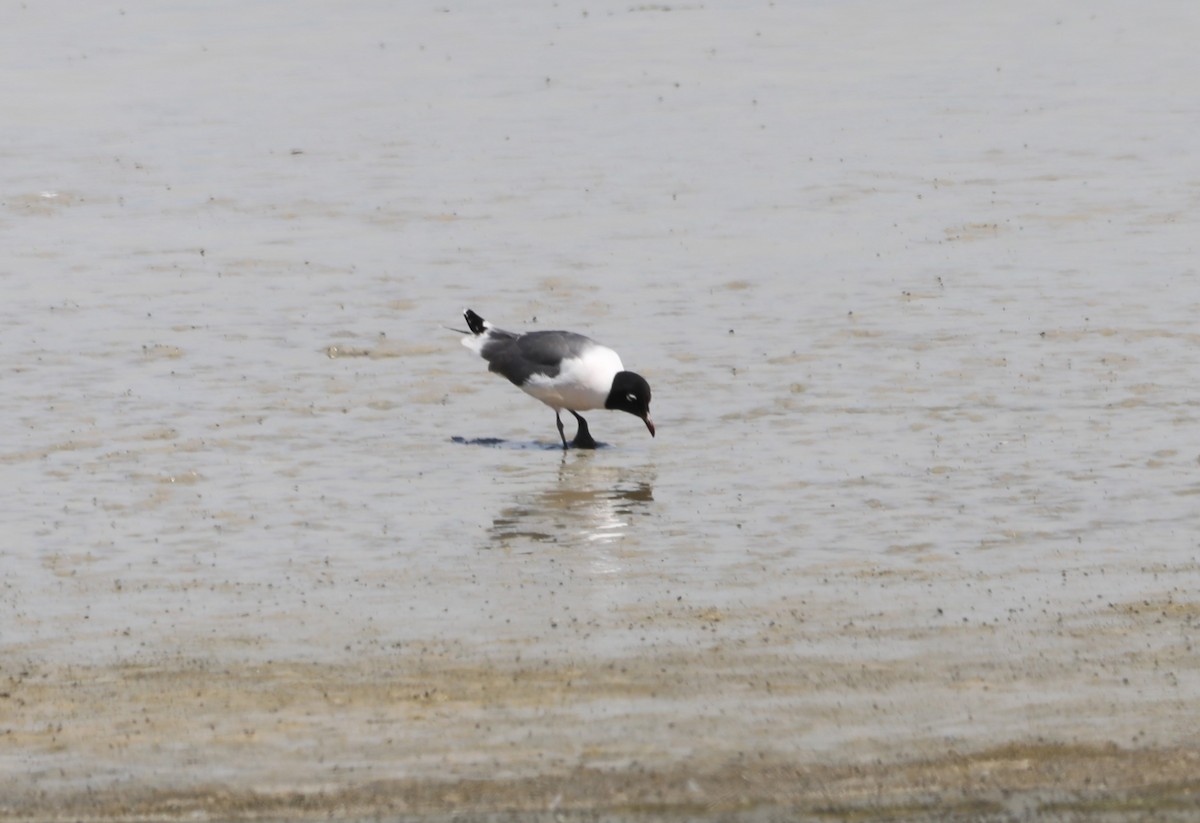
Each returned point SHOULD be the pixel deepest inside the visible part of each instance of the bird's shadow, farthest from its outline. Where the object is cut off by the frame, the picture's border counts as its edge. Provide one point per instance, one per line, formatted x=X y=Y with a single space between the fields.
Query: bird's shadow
x=517 y=445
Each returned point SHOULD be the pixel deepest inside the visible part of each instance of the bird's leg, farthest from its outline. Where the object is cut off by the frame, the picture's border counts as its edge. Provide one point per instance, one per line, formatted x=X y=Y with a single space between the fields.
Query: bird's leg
x=583 y=437
x=558 y=422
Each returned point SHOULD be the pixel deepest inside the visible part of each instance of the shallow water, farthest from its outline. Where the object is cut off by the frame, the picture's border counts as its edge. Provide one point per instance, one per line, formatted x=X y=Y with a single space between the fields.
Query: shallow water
x=916 y=299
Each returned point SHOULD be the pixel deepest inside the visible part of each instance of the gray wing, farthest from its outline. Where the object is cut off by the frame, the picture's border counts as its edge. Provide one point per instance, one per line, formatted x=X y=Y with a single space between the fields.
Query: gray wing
x=519 y=357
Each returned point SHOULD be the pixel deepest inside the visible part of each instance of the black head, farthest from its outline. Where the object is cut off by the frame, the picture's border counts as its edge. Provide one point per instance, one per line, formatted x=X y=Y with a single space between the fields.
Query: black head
x=631 y=393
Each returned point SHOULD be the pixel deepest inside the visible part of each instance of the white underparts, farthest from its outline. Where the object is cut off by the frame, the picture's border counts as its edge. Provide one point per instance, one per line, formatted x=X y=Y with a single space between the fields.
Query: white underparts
x=581 y=383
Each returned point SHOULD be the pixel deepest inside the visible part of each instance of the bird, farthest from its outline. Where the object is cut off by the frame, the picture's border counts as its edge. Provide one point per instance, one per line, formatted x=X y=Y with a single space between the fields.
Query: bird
x=564 y=370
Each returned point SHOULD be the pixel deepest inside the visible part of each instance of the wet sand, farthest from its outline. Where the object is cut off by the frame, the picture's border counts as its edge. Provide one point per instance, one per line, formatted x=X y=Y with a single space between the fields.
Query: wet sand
x=916 y=291
x=757 y=716
x=813 y=706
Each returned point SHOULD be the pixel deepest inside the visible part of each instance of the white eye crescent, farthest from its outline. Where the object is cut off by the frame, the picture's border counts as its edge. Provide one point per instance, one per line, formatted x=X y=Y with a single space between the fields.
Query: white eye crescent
x=632 y=398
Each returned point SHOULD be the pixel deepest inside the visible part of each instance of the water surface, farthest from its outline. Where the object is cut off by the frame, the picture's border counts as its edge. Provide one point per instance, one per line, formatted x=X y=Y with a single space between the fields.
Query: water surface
x=915 y=288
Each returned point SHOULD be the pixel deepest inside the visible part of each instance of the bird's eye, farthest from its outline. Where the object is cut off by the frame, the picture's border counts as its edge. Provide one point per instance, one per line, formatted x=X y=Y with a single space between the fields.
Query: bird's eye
x=632 y=398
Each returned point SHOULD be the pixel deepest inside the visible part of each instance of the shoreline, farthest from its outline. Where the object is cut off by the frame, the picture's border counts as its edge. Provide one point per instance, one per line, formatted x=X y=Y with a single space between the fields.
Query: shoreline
x=1011 y=781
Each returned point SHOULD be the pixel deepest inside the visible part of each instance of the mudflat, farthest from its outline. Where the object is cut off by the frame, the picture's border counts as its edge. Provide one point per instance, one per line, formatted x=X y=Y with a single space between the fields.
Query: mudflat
x=914 y=286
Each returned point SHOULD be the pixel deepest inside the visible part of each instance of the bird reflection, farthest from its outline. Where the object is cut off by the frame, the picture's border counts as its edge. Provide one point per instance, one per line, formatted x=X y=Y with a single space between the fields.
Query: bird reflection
x=587 y=504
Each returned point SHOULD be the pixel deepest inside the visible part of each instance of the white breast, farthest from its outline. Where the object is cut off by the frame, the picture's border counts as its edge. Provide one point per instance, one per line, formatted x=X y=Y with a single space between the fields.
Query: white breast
x=582 y=383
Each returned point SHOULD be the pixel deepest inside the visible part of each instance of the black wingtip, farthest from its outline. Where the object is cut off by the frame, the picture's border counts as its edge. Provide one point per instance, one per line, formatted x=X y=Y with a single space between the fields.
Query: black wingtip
x=474 y=322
